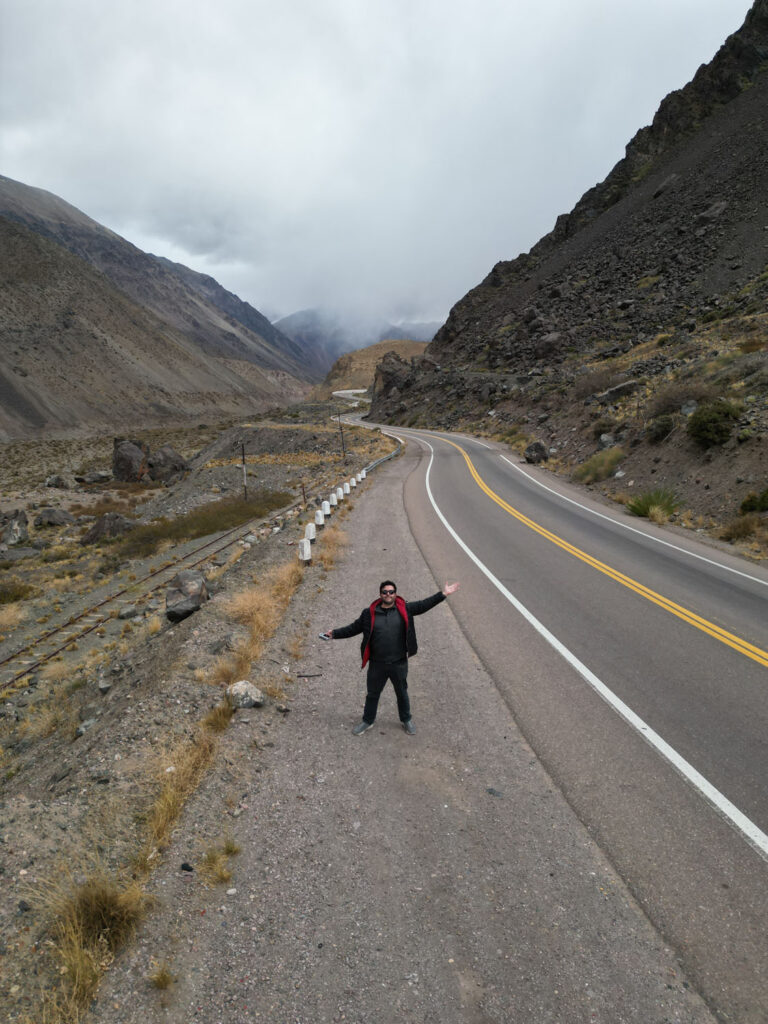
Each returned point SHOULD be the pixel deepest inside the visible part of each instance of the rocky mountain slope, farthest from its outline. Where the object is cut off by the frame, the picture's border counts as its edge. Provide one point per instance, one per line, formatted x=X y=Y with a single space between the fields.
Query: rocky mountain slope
x=656 y=281
x=77 y=353
x=224 y=353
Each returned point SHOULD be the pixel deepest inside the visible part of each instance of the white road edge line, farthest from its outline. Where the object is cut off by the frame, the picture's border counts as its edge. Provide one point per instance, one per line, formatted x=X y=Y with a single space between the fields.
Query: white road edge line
x=756 y=838
x=633 y=529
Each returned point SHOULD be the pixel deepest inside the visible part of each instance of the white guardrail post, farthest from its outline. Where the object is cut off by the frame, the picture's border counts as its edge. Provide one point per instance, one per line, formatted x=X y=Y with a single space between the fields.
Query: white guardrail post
x=305 y=551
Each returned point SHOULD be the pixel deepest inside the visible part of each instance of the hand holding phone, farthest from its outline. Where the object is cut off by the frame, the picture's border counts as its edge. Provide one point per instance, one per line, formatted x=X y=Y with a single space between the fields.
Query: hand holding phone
x=325 y=636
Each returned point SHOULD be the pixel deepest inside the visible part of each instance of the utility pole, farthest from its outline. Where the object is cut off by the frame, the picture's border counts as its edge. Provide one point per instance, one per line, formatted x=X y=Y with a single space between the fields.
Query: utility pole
x=245 y=482
x=341 y=431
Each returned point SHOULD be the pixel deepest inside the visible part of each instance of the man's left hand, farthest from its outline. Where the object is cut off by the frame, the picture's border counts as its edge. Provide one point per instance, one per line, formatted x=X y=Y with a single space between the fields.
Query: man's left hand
x=450 y=588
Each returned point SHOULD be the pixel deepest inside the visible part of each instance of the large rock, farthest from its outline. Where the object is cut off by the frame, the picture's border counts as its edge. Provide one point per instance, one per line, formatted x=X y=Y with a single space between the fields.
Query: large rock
x=536 y=452
x=106 y=527
x=53 y=517
x=13 y=528
x=186 y=592
x=130 y=460
x=56 y=480
x=166 y=465
x=244 y=694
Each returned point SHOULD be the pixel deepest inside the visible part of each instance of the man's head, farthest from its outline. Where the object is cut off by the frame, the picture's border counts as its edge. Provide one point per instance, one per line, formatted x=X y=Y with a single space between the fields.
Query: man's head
x=387 y=591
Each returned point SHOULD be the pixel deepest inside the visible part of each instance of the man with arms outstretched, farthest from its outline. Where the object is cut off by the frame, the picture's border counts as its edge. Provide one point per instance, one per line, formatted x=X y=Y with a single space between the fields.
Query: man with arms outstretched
x=389 y=639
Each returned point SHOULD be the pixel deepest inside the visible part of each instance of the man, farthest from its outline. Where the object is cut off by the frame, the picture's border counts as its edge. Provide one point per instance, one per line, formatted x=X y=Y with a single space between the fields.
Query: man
x=389 y=639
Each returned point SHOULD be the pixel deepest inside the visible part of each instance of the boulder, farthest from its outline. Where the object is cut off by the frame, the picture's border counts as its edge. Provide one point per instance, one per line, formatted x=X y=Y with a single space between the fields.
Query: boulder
x=129 y=460
x=536 y=452
x=111 y=524
x=13 y=528
x=244 y=694
x=57 y=481
x=548 y=346
x=166 y=465
x=53 y=517
x=186 y=592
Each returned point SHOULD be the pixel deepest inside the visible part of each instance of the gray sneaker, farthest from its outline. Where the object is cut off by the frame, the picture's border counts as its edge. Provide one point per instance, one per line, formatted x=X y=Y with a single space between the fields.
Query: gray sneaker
x=408 y=727
x=362 y=727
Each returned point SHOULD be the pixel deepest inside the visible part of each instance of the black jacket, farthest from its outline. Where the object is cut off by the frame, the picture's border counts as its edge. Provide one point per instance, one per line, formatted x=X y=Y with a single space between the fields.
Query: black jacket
x=364 y=623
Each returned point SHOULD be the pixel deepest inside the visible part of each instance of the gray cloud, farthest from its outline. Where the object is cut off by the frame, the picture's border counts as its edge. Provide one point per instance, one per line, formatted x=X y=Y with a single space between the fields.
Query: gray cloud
x=380 y=155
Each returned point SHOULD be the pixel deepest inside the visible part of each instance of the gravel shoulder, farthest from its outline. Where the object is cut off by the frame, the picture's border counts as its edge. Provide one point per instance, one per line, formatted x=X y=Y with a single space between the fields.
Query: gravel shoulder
x=433 y=878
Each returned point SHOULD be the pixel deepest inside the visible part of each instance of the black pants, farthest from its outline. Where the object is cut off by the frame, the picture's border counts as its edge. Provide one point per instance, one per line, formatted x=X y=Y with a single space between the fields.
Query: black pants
x=378 y=674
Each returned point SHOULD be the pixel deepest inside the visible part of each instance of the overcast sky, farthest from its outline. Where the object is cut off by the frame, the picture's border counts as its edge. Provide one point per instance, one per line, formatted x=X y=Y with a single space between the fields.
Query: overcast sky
x=374 y=154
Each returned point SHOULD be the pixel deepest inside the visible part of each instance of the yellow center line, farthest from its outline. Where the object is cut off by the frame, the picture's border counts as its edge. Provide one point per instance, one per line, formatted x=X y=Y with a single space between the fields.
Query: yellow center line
x=742 y=646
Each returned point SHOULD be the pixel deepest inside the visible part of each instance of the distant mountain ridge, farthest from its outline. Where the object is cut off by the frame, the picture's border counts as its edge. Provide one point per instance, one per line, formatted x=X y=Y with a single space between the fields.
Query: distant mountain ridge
x=331 y=333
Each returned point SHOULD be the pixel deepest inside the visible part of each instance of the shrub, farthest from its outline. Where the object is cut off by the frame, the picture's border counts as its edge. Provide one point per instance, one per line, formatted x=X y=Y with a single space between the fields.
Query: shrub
x=599 y=467
x=605 y=425
x=672 y=397
x=661 y=499
x=596 y=381
x=13 y=591
x=712 y=423
x=755 y=502
x=740 y=528
x=659 y=428
x=202 y=521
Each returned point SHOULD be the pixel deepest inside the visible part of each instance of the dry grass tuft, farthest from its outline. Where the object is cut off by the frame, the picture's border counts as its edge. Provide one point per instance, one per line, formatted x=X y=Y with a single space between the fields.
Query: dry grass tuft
x=658 y=514
x=55 y=671
x=230 y=847
x=213 y=867
x=154 y=624
x=92 y=919
x=330 y=545
x=161 y=977
x=184 y=768
x=218 y=718
x=11 y=616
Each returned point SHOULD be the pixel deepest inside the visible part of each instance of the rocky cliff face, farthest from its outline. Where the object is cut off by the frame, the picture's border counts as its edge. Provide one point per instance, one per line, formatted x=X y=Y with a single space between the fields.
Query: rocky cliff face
x=657 y=273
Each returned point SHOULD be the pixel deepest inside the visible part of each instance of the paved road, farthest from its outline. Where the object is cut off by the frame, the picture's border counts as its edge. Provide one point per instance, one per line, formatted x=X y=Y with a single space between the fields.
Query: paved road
x=677 y=632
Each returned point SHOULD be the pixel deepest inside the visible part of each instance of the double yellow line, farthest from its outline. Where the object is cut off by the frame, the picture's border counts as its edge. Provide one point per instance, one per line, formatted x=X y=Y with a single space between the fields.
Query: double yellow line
x=742 y=646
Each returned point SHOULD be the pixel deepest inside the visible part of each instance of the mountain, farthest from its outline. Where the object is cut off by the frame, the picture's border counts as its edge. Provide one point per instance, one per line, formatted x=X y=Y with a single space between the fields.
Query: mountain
x=329 y=333
x=77 y=353
x=656 y=281
x=190 y=347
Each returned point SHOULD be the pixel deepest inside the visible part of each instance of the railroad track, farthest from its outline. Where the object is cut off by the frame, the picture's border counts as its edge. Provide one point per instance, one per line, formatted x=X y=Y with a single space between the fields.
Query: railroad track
x=16 y=667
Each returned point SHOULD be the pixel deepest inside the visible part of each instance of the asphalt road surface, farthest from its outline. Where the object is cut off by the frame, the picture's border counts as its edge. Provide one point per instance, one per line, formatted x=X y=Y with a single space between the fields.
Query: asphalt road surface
x=634 y=661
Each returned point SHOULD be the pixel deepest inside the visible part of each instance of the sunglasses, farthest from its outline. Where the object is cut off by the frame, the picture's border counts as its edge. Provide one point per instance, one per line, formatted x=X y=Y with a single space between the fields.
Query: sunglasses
x=387 y=591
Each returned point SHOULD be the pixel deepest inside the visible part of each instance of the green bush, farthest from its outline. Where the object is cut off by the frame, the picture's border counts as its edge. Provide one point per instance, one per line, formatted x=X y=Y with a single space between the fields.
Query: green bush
x=659 y=428
x=712 y=424
x=755 y=502
x=599 y=467
x=661 y=498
